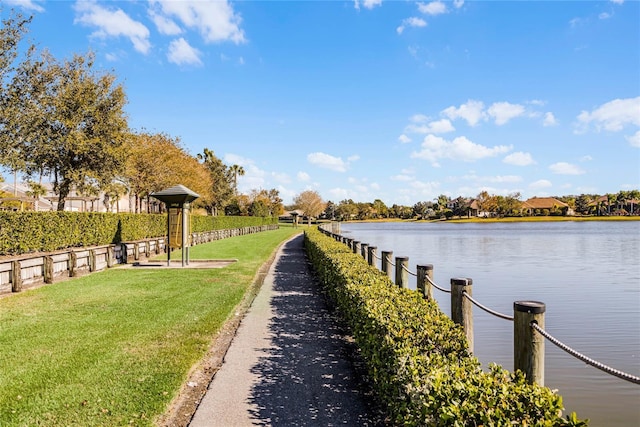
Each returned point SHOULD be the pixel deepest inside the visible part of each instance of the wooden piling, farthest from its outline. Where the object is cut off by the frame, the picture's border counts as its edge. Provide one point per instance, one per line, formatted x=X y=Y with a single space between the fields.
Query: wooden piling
x=424 y=273
x=528 y=345
x=462 y=308
x=371 y=256
x=402 y=276
x=386 y=263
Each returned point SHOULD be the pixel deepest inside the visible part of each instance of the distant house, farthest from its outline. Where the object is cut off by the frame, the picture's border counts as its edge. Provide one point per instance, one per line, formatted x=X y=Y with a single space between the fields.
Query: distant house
x=538 y=206
x=290 y=216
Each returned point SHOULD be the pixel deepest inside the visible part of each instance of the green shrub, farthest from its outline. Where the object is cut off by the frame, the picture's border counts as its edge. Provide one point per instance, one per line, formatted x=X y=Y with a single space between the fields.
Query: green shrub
x=417 y=358
x=24 y=232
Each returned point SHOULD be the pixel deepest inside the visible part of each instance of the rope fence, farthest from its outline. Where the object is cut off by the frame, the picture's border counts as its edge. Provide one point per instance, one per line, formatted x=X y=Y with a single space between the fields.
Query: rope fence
x=523 y=336
x=447 y=291
x=410 y=272
x=390 y=262
x=609 y=370
x=487 y=309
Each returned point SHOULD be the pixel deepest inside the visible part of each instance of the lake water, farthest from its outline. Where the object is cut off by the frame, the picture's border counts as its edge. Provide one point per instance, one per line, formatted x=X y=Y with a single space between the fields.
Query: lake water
x=587 y=274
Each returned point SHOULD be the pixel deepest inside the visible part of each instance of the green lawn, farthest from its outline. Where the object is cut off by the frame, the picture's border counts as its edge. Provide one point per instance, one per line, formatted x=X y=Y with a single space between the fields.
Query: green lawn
x=113 y=348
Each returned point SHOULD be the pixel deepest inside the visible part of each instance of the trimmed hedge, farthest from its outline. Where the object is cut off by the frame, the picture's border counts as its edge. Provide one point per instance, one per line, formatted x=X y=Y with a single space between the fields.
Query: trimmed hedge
x=417 y=358
x=24 y=232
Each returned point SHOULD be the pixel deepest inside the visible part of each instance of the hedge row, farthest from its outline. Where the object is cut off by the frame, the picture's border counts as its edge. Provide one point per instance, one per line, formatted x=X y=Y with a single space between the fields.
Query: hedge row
x=417 y=358
x=24 y=232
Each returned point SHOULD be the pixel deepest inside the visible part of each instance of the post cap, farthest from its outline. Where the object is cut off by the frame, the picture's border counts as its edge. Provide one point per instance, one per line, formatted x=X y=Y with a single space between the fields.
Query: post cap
x=532 y=307
x=461 y=281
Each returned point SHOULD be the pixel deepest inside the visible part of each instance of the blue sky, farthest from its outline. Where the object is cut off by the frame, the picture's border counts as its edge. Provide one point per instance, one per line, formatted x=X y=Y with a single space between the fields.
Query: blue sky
x=394 y=100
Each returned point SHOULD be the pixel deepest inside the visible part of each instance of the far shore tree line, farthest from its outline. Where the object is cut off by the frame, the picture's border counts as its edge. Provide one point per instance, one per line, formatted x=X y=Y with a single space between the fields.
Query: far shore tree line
x=486 y=205
x=63 y=121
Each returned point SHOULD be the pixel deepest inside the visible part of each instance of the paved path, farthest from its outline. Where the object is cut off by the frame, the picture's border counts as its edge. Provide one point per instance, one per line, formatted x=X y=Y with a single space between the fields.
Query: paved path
x=288 y=364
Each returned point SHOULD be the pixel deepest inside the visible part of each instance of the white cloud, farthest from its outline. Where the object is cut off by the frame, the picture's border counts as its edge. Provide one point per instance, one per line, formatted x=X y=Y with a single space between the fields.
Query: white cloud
x=303 y=176
x=617 y=1
x=634 y=139
x=216 y=21
x=353 y=158
x=519 y=158
x=549 y=120
x=612 y=116
x=327 y=161
x=437 y=126
x=458 y=3
x=411 y=22
x=368 y=4
x=461 y=148
x=503 y=179
x=502 y=112
x=339 y=193
x=564 y=168
x=433 y=8
x=419 y=118
x=586 y=158
x=605 y=15
x=112 y=23
x=472 y=112
x=401 y=177
x=540 y=184
x=181 y=53
x=404 y=139
x=164 y=24
x=281 y=178
x=26 y=4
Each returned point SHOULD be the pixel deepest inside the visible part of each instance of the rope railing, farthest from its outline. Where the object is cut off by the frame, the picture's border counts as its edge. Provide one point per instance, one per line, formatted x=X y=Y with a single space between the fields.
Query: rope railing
x=609 y=370
x=447 y=291
x=390 y=262
x=487 y=309
x=410 y=272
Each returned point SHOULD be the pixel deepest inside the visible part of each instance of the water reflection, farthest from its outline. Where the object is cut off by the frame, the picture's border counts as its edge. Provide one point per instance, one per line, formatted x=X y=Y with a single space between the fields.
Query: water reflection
x=587 y=273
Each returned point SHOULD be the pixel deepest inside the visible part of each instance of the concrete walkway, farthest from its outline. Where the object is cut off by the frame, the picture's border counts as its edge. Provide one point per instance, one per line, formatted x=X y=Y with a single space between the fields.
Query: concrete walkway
x=289 y=364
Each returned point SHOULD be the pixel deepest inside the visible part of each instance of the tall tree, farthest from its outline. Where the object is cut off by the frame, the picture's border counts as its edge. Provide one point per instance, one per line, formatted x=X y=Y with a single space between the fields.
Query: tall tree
x=69 y=121
x=310 y=203
x=222 y=190
x=236 y=170
x=12 y=32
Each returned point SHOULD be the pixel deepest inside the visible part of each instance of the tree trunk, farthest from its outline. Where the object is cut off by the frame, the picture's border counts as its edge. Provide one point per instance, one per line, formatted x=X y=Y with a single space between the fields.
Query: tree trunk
x=63 y=191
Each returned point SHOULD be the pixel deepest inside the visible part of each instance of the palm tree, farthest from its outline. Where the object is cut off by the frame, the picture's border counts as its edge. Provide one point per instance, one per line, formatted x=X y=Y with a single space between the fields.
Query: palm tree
x=236 y=170
x=36 y=190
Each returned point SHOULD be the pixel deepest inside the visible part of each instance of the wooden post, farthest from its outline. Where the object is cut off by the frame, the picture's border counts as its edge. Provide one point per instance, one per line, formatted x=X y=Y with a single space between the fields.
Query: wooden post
x=402 y=276
x=124 y=256
x=461 y=307
x=424 y=273
x=386 y=263
x=73 y=264
x=528 y=345
x=16 y=276
x=371 y=256
x=48 y=269
x=136 y=251
x=92 y=260
x=356 y=246
x=110 y=256
x=363 y=250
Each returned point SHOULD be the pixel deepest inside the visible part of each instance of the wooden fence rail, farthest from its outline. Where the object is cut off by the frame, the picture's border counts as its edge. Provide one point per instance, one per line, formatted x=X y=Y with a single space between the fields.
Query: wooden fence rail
x=28 y=270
